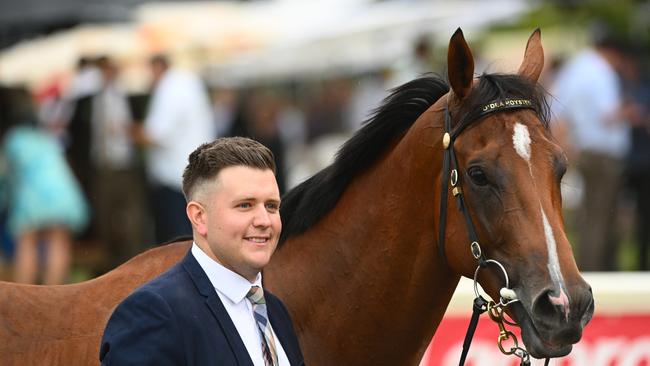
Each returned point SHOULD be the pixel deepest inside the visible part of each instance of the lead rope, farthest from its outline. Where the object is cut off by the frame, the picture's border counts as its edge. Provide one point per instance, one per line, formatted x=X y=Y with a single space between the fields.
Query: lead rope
x=480 y=306
x=507 y=295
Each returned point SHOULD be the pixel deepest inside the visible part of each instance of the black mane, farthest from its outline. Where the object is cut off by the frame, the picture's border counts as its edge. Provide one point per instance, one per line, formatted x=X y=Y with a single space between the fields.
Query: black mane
x=308 y=202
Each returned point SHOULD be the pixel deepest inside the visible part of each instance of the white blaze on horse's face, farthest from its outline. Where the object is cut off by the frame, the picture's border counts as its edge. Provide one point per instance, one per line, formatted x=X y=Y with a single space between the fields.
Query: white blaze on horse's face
x=521 y=141
x=522 y=144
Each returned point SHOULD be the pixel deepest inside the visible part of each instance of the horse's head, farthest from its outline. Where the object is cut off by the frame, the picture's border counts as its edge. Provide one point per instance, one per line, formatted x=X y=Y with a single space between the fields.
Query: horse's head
x=509 y=173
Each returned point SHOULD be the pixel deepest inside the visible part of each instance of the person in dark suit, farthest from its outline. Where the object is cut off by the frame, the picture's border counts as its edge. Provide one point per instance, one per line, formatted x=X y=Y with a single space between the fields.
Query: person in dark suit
x=210 y=308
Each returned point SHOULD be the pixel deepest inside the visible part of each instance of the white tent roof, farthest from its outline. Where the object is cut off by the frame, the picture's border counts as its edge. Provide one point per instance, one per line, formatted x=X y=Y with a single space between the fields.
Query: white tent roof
x=244 y=41
x=358 y=35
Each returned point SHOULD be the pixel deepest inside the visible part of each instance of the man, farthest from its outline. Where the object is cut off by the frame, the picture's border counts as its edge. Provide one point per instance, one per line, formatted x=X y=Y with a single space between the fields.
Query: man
x=105 y=157
x=588 y=106
x=179 y=118
x=206 y=310
x=116 y=187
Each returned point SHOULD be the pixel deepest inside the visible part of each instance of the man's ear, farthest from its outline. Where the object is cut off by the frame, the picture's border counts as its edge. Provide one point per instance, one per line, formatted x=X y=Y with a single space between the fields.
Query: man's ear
x=198 y=217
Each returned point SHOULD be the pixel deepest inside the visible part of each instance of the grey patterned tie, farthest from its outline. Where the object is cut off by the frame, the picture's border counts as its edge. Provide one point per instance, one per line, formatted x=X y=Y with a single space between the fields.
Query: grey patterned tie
x=256 y=297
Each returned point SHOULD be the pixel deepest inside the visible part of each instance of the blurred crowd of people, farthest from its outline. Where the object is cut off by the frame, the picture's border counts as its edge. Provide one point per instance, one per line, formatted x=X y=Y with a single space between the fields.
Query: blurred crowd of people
x=95 y=165
x=601 y=102
x=115 y=160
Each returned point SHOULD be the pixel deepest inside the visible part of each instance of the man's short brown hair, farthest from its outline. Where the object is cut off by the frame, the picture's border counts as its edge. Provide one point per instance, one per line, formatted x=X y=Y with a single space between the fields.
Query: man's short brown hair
x=210 y=158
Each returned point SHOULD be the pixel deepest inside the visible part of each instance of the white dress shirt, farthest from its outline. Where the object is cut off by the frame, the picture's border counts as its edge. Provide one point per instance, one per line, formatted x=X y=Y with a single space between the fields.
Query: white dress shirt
x=111 y=121
x=232 y=289
x=588 y=94
x=179 y=120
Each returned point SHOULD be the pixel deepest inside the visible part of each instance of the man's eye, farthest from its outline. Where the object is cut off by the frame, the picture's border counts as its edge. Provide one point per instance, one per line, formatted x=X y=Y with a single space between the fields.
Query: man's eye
x=272 y=207
x=244 y=205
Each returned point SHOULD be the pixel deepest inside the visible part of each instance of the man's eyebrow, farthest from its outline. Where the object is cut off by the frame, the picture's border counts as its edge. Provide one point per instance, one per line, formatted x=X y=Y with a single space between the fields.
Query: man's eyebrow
x=246 y=198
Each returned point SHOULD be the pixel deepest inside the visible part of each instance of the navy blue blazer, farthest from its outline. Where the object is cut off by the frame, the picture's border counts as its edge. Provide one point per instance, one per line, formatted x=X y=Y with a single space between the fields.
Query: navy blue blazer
x=178 y=319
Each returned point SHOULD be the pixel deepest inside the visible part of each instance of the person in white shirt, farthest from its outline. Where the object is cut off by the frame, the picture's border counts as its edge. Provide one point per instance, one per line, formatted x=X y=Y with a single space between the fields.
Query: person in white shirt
x=179 y=119
x=588 y=104
x=103 y=155
x=210 y=309
x=117 y=186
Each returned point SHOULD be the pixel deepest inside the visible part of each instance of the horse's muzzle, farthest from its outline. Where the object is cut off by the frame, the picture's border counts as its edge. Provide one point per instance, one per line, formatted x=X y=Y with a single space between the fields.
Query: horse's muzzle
x=552 y=322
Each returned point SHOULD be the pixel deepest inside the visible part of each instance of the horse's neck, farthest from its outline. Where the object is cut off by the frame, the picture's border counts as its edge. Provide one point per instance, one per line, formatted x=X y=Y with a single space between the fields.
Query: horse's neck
x=364 y=285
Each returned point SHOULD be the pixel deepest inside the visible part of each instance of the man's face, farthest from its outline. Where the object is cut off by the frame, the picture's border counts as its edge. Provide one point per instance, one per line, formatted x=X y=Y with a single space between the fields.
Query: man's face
x=243 y=219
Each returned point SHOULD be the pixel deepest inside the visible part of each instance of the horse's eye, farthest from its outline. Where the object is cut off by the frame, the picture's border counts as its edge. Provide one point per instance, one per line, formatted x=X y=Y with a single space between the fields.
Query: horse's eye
x=477 y=176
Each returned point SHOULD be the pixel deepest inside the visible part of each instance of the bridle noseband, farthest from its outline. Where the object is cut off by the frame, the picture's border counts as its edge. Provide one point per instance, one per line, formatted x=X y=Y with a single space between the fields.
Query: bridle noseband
x=450 y=180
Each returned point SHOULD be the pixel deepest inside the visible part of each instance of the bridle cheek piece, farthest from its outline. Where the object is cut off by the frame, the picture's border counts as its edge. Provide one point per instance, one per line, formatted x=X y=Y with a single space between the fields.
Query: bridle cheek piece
x=450 y=180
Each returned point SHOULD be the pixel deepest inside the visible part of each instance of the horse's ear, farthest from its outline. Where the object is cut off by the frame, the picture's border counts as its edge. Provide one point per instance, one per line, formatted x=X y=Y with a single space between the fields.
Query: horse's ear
x=533 y=63
x=460 y=65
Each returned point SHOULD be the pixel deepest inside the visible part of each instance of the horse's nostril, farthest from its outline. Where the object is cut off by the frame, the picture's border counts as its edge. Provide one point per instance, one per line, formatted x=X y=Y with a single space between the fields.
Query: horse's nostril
x=559 y=319
x=542 y=306
x=550 y=308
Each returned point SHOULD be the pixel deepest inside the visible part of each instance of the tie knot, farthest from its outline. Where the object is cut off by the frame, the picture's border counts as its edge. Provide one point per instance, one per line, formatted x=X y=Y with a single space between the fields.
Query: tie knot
x=256 y=295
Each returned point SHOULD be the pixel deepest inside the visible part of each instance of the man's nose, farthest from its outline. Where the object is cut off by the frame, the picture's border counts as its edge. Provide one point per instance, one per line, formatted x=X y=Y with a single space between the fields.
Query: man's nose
x=262 y=217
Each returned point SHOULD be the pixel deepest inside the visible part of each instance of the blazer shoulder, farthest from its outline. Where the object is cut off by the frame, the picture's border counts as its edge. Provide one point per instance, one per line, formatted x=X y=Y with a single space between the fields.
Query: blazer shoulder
x=142 y=330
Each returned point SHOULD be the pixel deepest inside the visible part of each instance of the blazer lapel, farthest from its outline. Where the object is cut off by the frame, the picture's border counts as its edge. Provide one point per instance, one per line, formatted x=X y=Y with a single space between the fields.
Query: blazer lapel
x=213 y=302
x=229 y=330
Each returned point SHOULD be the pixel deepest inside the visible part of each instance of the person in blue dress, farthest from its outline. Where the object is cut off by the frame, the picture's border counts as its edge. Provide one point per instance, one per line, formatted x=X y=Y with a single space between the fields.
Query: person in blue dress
x=43 y=199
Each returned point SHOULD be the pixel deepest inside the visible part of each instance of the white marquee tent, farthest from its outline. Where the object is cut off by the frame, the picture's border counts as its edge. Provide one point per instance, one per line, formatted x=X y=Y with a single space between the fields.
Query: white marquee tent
x=243 y=41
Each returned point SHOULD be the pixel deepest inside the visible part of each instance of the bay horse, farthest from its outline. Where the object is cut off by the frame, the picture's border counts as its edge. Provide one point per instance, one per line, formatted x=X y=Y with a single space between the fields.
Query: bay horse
x=360 y=265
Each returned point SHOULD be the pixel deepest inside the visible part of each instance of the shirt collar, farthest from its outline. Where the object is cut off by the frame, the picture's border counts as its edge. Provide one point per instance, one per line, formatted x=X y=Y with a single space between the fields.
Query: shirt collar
x=230 y=284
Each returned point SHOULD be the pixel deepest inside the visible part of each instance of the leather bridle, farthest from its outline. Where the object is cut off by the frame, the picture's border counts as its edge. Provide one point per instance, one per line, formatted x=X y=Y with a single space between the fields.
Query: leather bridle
x=450 y=180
